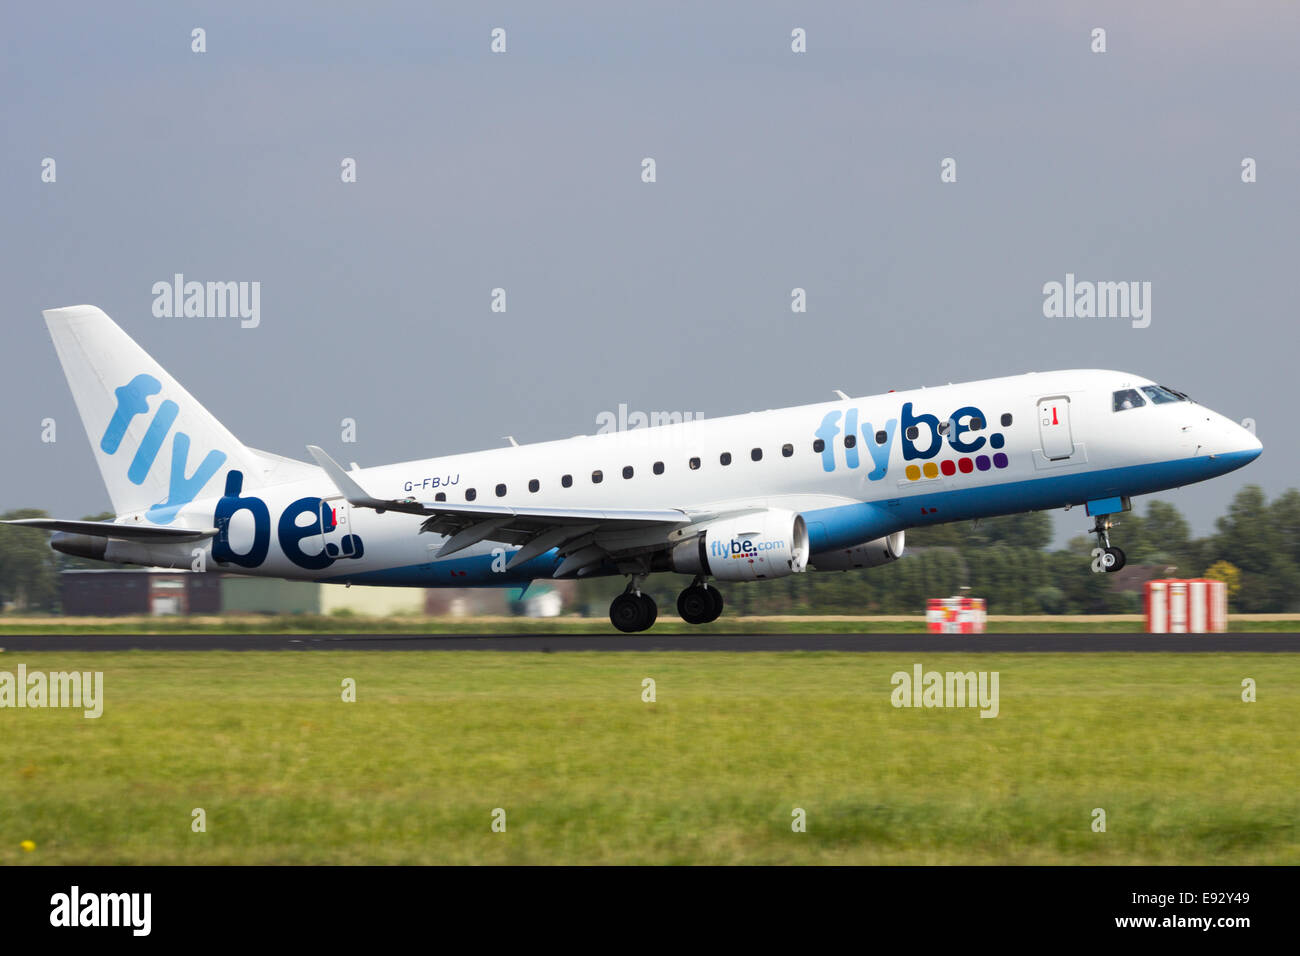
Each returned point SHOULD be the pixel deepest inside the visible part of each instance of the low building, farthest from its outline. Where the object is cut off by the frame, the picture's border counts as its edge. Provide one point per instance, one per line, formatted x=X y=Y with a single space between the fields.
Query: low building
x=159 y=591
x=257 y=595
x=155 y=591
x=245 y=594
x=370 y=601
x=541 y=599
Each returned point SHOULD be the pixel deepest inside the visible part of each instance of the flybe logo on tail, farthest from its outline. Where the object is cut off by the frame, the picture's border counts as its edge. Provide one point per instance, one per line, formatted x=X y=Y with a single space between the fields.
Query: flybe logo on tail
x=133 y=400
x=920 y=436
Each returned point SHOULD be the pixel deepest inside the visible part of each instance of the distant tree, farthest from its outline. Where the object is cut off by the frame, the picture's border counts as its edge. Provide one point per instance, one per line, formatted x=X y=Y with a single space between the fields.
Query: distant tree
x=1081 y=544
x=1285 y=515
x=1167 y=531
x=1250 y=538
x=1161 y=536
x=28 y=570
x=1226 y=572
x=1033 y=529
x=1050 y=600
x=1247 y=536
x=1030 y=530
x=955 y=534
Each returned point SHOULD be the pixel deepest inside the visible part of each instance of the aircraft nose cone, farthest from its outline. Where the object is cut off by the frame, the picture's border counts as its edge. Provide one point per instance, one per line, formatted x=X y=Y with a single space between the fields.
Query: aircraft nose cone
x=1241 y=447
x=1252 y=446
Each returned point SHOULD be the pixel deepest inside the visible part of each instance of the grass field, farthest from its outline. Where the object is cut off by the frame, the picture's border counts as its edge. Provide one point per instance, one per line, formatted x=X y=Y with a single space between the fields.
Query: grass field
x=709 y=773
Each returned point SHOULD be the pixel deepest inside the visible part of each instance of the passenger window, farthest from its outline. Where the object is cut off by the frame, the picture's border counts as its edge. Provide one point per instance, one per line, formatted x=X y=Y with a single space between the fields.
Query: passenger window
x=850 y=441
x=470 y=494
x=534 y=485
x=1127 y=398
x=882 y=437
x=756 y=454
x=1006 y=419
x=501 y=491
x=725 y=458
x=627 y=471
x=976 y=424
x=658 y=468
x=695 y=464
x=597 y=477
x=913 y=433
x=787 y=450
x=819 y=446
x=440 y=496
x=566 y=481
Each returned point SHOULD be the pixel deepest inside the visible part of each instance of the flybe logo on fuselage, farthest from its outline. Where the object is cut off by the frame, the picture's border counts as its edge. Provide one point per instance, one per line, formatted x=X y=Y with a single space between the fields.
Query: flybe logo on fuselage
x=290 y=531
x=920 y=436
x=133 y=400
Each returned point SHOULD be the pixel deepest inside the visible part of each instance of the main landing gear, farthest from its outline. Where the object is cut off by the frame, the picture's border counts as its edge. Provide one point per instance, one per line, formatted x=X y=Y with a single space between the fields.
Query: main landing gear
x=1110 y=559
x=699 y=603
x=634 y=610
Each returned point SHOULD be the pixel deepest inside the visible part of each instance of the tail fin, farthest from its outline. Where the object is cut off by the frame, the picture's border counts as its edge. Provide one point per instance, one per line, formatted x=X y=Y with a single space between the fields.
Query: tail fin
x=157 y=448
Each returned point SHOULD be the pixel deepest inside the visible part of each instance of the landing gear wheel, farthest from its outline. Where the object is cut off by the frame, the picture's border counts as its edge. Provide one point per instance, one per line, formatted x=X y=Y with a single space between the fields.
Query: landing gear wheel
x=628 y=613
x=649 y=611
x=715 y=598
x=1113 y=560
x=694 y=605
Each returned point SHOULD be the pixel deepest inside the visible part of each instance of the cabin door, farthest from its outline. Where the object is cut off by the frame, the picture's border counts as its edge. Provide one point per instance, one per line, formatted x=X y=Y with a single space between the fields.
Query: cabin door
x=1054 y=427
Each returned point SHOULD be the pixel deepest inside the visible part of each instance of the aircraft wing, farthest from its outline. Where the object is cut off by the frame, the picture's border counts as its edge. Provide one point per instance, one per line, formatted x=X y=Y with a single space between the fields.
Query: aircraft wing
x=584 y=536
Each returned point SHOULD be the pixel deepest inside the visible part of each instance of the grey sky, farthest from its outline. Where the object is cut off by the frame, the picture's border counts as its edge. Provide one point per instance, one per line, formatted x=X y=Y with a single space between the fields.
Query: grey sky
x=522 y=171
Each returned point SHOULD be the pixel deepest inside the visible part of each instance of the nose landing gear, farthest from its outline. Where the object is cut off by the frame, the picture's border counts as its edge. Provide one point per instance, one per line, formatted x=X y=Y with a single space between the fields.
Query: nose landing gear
x=1105 y=557
x=699 y=603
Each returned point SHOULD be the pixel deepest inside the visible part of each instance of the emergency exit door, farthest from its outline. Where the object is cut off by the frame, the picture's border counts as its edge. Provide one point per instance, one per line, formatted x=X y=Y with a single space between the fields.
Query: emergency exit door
x=1054 y=427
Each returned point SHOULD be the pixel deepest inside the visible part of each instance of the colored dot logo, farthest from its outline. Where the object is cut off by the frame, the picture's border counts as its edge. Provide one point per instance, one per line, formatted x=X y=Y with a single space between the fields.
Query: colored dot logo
x=951 y=466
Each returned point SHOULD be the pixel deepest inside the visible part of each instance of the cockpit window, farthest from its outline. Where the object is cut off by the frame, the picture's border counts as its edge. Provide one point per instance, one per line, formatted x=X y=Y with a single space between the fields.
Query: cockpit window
x=1173 y=391
x=1128 y=398
x=1160 y=395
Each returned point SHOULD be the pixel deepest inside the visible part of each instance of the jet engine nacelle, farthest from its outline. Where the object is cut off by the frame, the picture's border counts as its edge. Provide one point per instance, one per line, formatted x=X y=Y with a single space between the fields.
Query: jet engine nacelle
x=770 y=544
x=869 y=554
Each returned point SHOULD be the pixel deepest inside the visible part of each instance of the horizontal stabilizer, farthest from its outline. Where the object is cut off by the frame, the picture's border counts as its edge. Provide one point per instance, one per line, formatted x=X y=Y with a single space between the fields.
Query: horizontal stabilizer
x=107 y=529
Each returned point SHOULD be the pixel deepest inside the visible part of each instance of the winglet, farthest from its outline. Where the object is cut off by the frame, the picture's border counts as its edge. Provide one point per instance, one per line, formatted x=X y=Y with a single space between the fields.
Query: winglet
x=346 y=484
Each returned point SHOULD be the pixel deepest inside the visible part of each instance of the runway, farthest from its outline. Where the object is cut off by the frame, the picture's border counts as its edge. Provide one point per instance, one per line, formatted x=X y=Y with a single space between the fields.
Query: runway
x=1071 y=643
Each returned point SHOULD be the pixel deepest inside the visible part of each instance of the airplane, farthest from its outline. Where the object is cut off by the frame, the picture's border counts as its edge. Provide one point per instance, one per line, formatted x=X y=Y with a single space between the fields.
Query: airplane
x=824 y=487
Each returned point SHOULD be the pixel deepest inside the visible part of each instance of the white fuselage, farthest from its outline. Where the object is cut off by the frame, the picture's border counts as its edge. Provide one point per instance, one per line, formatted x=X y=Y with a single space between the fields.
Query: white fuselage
x=1047 y=440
